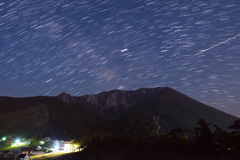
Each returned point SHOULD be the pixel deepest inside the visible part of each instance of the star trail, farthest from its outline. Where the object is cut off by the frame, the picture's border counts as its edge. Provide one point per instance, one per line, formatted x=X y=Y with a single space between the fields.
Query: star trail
x=86 y=47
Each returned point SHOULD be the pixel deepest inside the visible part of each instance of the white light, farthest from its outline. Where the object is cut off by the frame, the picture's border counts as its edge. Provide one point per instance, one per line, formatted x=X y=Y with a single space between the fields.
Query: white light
x=67 y=147
x=47 y=81
x=124 y=50
x=56 y=148
x=17 y=140
x=120 y=87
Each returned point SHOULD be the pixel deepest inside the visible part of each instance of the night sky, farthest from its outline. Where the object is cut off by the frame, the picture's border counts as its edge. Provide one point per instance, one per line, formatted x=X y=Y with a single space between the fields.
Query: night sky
x=89 y=46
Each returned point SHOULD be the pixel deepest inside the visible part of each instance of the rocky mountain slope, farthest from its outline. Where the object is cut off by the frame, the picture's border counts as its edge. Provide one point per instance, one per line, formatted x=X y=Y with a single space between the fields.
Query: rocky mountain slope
x=117 y=99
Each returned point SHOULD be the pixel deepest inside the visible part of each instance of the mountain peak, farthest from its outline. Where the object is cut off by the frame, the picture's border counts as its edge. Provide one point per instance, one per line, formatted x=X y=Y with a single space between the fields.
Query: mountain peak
x=64 y=94
x=65 y=97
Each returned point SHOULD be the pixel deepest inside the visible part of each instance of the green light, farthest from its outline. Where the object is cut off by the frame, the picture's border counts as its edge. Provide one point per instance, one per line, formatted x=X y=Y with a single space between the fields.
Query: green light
x=4 y=138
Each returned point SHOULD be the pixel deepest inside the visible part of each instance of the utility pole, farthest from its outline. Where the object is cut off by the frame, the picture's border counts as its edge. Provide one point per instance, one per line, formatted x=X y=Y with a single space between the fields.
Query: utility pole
x=156 y=124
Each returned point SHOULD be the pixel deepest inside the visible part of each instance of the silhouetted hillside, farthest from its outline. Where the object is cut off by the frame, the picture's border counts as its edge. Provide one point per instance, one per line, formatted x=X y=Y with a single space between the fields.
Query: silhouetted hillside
x=115 y=112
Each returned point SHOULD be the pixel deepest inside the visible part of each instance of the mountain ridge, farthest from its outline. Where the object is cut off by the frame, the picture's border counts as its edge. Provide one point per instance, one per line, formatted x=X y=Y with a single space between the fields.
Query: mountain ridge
x=115 y=112
x=116 y=98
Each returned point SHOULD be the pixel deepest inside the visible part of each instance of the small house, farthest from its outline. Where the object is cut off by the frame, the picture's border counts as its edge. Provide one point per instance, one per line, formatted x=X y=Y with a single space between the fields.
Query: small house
x=2 y=154
x=69 y=146
x=12 y=155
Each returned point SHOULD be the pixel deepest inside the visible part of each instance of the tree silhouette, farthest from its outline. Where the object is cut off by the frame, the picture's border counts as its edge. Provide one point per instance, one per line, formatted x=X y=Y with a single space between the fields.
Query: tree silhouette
x=236 y=126
x=223 y=139
x=236 y=133
x=178 y=140
x=204 y=141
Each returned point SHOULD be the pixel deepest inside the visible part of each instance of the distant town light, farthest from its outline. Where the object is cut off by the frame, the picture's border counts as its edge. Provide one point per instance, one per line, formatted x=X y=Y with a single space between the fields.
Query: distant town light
x=70 y=147
x=18 y=143
x=67 y=147
x=56 y=146
x=17 y=140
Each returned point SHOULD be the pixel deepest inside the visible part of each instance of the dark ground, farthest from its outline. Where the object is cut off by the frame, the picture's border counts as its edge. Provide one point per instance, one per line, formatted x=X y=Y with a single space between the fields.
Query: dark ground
x=129 y=153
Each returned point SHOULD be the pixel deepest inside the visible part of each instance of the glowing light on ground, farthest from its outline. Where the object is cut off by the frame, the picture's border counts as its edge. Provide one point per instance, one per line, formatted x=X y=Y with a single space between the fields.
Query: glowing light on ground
x=18 y=142
x=70 y=147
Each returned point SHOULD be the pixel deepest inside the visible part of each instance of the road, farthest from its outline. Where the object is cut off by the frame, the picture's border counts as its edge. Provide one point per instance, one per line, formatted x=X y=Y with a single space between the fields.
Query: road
x=48 y=156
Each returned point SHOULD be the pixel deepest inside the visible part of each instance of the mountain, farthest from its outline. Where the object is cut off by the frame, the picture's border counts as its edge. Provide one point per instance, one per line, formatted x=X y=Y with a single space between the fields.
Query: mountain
x=115 y=112
x=117 y=100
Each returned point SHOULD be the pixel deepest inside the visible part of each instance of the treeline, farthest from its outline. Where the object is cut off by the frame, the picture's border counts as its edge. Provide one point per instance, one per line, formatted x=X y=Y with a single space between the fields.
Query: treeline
x=207 y=139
